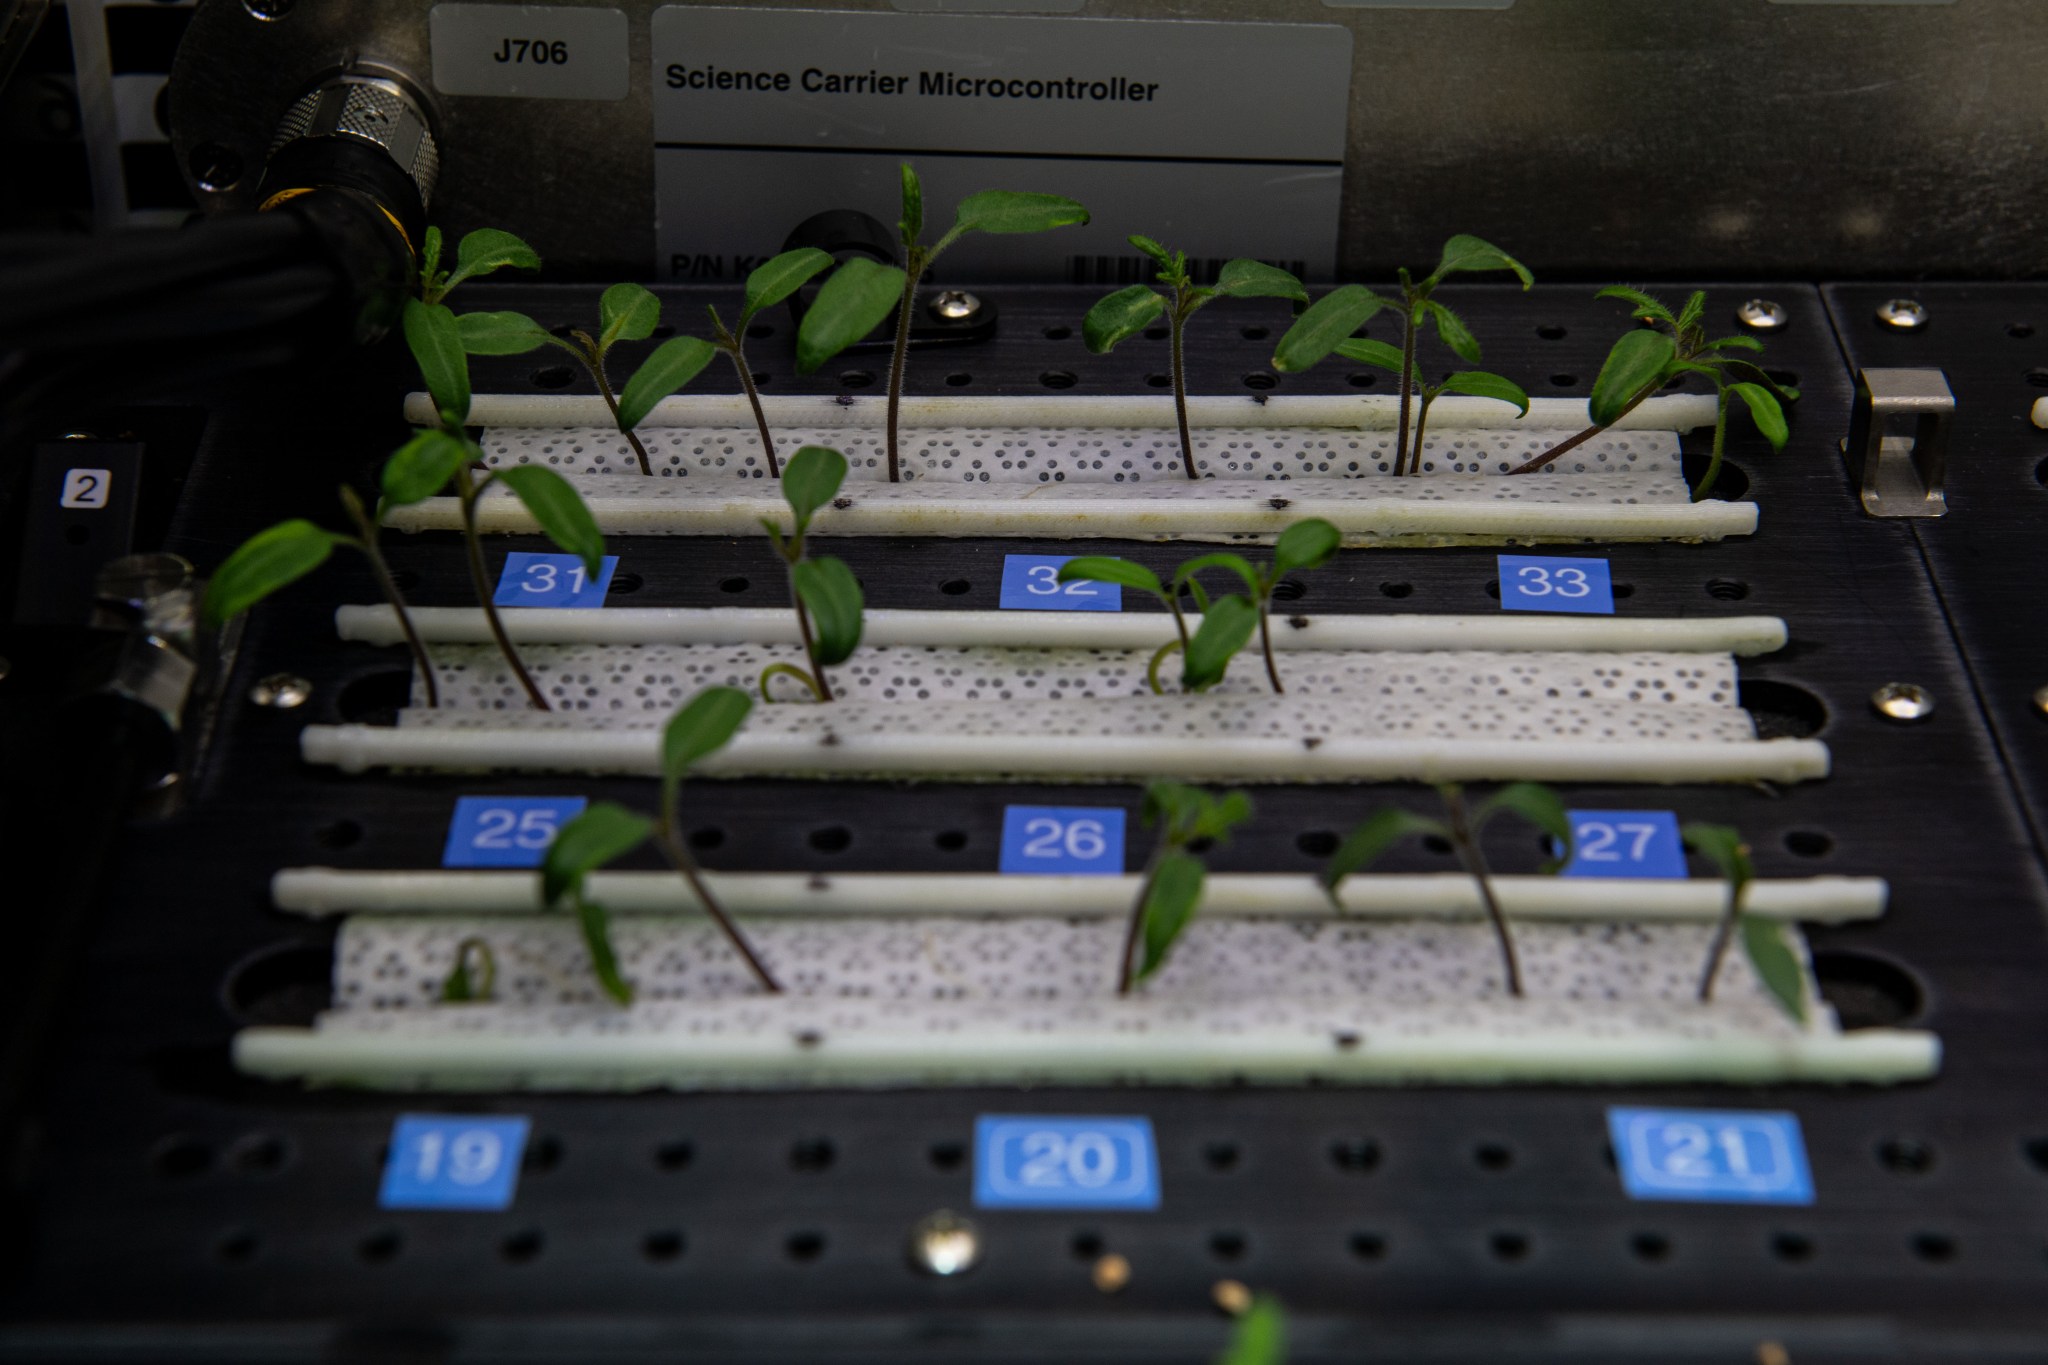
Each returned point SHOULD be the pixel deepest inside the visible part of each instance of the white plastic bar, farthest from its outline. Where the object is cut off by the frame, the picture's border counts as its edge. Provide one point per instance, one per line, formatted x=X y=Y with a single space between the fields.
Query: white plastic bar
x=358 y=748
x=1741 y=635
x=802 y=1056
x=1367 y=412
x=320 y=891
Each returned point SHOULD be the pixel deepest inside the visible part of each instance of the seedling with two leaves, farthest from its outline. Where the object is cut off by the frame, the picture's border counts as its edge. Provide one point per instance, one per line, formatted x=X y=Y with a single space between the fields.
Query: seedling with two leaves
x=824 y=591
x=860 y=294
x=1227 y=621
x=1190 y=821
x=1129 y=311
x=1763 y=939
x=1646 y=359
x=606 y=831
x=1461 y=828
x=1329 y=324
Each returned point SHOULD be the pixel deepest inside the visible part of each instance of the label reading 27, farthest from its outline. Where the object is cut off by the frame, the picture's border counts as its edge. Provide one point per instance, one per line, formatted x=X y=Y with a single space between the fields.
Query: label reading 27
x=1549 y=583
x=1032 y=583
x=536 y=580
x=1625 y=843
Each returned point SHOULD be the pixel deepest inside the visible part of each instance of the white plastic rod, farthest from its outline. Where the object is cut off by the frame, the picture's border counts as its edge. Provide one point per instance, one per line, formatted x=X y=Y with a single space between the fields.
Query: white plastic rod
x=1208 y=510
x=1742 y=635
x=319 y=891
x=1367 y=412
x=802 y=1055
x=1091 y=757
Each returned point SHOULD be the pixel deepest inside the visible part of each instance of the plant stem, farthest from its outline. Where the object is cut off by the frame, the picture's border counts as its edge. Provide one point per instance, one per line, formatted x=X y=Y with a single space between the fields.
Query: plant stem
x=593 y=360
x=904 y=307
x=467 y=489
x=672 y=845
x=1722 y=934
x=1266 y=642
x=1421 y=425
x=731 y=343
x=382 y=571
x=1720 y=439
x=1475 y=863
x=1180 y=383
x=1128 y=965
x=1407 y=377
x=803 y=626
x=1572 y=443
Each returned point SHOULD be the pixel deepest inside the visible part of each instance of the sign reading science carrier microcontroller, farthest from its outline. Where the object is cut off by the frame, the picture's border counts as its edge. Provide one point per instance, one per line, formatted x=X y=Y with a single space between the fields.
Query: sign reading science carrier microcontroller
x=1219 y=139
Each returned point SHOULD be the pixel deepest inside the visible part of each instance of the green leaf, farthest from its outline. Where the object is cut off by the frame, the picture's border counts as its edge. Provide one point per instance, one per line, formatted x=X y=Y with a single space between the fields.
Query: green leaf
x=1722 y=846
x=832 y=594
x=500 y=333
x=1635 y=362
x=486 y=251
x=560 y=511
x=1695 y=308
x=776 y=278
x=1763 y=407
x=1257 y=280
x=1740 y=343
x=1175 y=806
x=1120 y=316
x=810 y=479
x=436 y=341
x=626 y=312
x=430 y=255
x=1218 y=816
x=1237 y=564
x=852 y=303
x=1170 y=903
x=674 y=363
x=912 y=222
x=1305 y=545
x=461 y=987
x=705 y=724
x=1453 y=330
x=1366 y=351
x=1260 y=1336
x=1537 y=804
x=1011 y=212
x=1481 y=384
x=1152 y=249
x=1103 y=569
x=422 y=467
x=1378 y=832
x=1640 y=304
x=1776 y=965
x=1465 y=253
x=605 y=831
x=265 y=562
x=1329 y=320
x=1745 y=371
x=1226 y=627
x=597 y=940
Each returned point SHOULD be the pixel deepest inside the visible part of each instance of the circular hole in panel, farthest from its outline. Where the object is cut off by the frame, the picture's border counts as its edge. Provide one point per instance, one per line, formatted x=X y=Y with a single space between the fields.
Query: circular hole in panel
x=760 y=331
x=956 y=587
x=831 y=839
x=1905 y=1156
x=1059 y=379
x=1550 y=331
x=2038 y=377
x=1359 y=1155
x=1316 y=843
x=375 y=698
x=675 y=1155
x=626 y=582
x=1934 y=1247
x=215 y=168
x=1222 y=1156
x=283 y=984
x=77 y=535
x=1781 y=710
x=856 y=379
x=380 y=1247
x=542 y=1155
x=1058 y=333
x=1564 y=381
x=553 y=377
x=2036 y=1152
x=180 y=1158
x=1794 y=1247
x=259 y=1154
x=1086 y=1245
x=947 y=1156
x=1493 y=588
x=522 y=1248
x=1155 y=334
x=338 y=834
x=1650 y=1246
x=1808 y=843
x=709 y=837
x=1730 y=485
x=733 y=584
x=1289 y=590
x=950 y=840
x=405 y=579
x=811 y=1154
x=1254 y=333
x=1368 y=1246
x=1623 y=591
x=1727 y=589
x=237 y=1247
x=1437 y=844
x=2019 y=331
x=1508 y=1246
x=1362 y=379
x=661 y=1247
x=1228 y=1246
x=804 y=1247
x=1261 y=381
x=1784 y=379
x=1397 y=590
x=959 y=379
x=1159 y=381
x=1867 y=991
x=1493 y=1156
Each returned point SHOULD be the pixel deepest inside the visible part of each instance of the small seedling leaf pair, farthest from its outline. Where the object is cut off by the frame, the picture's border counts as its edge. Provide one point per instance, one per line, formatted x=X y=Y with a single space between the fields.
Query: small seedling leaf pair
x=1260 y=1335
x=1763 y=939
x=826 y=595
x=482 y=252
x=606 y=832
x=1189 y=821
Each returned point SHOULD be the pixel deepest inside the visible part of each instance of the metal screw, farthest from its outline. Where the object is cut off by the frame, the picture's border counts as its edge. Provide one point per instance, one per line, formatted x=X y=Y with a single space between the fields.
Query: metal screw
x=2040 y=698
x=1905 y=315
x=5 y=668
x=944 y=1243
x=1903 y=702
x=955 y=305
x=1762 y=315
x=1110 y=1273
x=79 y=436
x=1232 y=1297
x=267 y=10
x=281 y=691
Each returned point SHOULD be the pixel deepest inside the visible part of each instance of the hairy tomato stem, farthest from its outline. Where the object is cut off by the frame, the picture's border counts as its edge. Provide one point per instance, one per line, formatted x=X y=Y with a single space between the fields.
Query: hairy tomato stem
x=467 y=489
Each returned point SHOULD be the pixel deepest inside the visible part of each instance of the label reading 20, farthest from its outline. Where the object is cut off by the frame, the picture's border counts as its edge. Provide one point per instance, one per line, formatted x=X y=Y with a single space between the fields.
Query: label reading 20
x=1549 y=583
x=1027 y=1161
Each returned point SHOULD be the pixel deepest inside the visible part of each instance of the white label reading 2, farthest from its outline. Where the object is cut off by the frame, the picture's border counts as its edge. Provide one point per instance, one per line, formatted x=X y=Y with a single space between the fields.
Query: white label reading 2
x=85 y=488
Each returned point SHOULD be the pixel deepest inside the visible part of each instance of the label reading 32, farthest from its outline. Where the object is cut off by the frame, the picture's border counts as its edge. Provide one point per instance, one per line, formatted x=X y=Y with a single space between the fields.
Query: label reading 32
x=1032 y=583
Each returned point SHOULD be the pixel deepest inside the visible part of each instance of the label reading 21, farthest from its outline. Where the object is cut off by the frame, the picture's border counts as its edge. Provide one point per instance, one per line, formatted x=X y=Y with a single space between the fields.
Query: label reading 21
x=1032 y=583
x=537 y=580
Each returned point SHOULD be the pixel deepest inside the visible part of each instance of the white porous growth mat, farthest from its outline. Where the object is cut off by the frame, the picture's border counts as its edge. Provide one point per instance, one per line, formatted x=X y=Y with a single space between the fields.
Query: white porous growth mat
x=1254 y=992
x=988 y=712
x=1072 y=467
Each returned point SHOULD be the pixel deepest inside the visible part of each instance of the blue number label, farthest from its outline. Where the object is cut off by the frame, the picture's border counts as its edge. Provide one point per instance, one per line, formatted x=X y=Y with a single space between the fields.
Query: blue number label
x=1547 y=583
x=535 y=580
x=1625 y=843
x=1028 y=1162
x=1032 y=583
x=506 y=831
x=453 y=1161
x=1063 y=840
x=1711 y=1156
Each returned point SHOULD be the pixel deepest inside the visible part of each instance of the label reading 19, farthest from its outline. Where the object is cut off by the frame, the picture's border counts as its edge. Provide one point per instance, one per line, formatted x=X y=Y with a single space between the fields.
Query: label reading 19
x=1711 y=1156
x=1625 y=843
x=506 y=831
x=1026 y=1162
x=453 y=1161
x=1547 y=583
x=537 y=580
x=1032 y=583
x=1063 y=840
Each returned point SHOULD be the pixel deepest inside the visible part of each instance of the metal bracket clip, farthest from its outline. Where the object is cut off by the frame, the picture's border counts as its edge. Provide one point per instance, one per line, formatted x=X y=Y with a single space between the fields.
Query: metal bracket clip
x=1897 y=473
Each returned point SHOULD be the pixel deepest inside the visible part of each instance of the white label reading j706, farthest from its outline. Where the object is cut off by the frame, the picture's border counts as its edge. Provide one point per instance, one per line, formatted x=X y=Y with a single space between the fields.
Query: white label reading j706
x=546 y=52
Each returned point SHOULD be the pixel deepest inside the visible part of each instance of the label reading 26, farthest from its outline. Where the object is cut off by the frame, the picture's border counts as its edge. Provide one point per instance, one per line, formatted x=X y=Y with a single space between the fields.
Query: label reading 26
x=1063 y=840
x=535 y=50
x=1550 y=583
x=1032 y=583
